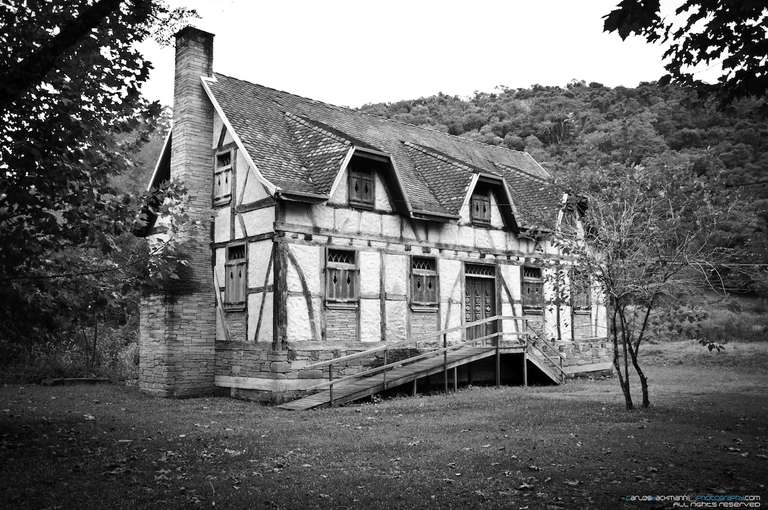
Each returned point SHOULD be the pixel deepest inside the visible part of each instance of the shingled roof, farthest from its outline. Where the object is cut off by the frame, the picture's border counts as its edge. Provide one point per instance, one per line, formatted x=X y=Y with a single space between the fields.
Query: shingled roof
x=299 y=145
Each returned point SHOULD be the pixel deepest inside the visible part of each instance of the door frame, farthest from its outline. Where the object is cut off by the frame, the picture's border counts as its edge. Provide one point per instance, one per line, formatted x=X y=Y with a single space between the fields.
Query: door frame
x=493 y=274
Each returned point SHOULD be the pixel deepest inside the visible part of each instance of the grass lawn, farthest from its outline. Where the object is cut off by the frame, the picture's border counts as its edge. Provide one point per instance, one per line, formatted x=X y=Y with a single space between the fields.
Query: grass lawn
x=569 y=447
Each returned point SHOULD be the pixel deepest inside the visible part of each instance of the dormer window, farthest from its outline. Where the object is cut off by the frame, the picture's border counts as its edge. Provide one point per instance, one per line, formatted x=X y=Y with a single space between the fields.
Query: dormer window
x=480 y=209
x=222 y=178
x=361 y=188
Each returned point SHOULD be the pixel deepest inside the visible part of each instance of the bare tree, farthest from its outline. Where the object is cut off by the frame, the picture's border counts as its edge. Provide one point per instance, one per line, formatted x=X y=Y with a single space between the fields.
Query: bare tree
x=645 y=239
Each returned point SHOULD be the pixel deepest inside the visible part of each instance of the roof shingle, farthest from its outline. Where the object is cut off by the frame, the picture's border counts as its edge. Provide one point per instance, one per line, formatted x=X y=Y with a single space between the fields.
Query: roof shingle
x=299 y=144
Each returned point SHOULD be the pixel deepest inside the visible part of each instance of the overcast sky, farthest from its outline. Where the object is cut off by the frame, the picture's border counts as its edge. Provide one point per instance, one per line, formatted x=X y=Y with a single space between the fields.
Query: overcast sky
x=355 y=52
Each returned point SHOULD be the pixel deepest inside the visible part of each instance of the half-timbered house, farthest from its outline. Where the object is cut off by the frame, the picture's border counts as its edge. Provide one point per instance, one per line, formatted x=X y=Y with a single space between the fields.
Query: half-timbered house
x=322 y=232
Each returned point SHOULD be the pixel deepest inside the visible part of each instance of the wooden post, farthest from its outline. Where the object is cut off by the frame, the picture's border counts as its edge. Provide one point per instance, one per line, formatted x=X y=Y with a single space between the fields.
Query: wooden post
x=455 y=379
x=525 y=366
x=445 y=362
x=330 y=378
x=498 y=362
x=414 y=387
x=385 y=370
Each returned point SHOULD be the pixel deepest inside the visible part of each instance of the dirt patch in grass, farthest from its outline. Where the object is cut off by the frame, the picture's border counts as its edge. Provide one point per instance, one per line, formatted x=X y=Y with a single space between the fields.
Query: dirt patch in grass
x=547 y=447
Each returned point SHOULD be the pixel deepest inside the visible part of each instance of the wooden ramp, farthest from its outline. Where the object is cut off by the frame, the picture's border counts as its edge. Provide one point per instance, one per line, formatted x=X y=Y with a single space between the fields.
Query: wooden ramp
x=357 y=388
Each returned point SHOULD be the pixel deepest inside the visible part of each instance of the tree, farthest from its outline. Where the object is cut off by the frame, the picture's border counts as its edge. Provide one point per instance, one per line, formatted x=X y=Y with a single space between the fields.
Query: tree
x=72 y=119
x=731 y=34
x=646 y=240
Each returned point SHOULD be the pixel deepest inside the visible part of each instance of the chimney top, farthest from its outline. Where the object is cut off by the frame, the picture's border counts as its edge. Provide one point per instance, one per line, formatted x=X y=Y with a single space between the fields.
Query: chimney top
x=192 y=31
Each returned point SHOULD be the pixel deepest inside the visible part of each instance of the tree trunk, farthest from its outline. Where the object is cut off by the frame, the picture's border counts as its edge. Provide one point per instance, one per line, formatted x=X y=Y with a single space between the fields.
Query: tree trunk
x=642 y=376
x=623 y=377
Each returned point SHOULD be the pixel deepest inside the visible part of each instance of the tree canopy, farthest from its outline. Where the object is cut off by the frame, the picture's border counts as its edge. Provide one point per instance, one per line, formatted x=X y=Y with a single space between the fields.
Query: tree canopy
x=72 y=120
x=731 y=34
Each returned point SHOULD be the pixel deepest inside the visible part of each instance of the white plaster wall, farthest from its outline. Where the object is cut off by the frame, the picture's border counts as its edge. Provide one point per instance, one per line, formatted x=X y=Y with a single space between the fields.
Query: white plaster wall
x=347 y=220
x=482 y=238
x=370 y=273
x=309 y=260
x=340 y=195
x=227 y=138
x=466 y=235
x=397 y=314
x=300 y=214
x=381 y=195
x=370 y=320
x=322 y=216
x=395 y=274
x=258 y=263
x=221 y=225
x=217 y=125
x=407 y=230
x=299 y=328
x=550 y=317
x=449 y=272
x=265 y=333
x=390 y=225
x=257 y=222
x=496 y=219
x=221 y=254
x=451 y=296
x=246 y=178
x=254 y=305
x=370 y=223
x=464 y=215
x=511 y=276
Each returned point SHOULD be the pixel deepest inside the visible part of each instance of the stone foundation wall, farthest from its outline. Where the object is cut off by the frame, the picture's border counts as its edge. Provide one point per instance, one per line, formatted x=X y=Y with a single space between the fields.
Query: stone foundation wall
x=584 y=353
x=258 y=372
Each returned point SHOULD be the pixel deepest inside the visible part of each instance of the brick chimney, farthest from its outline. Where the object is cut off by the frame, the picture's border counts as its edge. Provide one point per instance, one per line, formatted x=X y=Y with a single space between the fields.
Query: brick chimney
x=178 y=328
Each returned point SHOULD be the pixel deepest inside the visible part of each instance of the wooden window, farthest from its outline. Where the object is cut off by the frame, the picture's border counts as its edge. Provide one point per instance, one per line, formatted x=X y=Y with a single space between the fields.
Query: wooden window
x=222 y=178
x=236 y=276
x=341 y=277
x=581 y=299
x=361 y=188
x=480 y=208
x=532 y=289
x=424 y=281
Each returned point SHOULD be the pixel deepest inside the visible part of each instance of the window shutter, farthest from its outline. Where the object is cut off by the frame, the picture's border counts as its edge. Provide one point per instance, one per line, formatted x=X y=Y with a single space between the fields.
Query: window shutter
x=481 y=209
x=341 y=275
x=424 y=281
x=532 y=288
x=361 y=188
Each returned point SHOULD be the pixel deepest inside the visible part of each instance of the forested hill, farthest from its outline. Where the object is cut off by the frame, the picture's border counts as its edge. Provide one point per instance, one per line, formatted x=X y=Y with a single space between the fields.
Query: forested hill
x=583 y=128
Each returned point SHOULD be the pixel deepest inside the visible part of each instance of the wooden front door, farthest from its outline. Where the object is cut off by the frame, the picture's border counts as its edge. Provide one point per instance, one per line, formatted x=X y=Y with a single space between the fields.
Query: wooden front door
x=480 y=303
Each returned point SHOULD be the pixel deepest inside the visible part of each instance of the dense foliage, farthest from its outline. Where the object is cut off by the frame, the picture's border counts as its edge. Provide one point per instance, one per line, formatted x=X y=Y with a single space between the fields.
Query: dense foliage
x=731 y=35
x=72 y=121
x=589 y=130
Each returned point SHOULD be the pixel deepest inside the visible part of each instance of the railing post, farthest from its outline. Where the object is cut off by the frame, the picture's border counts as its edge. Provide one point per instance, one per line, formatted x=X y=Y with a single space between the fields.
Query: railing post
x=330 y=379
x=498 y=361
x=445 y=362
x=455 y=379
x=385 y=371
x=525 y=364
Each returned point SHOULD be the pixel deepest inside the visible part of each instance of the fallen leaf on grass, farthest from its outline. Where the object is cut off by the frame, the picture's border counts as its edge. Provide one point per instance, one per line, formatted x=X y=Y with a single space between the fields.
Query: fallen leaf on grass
x=572 y=483
x=89 y=417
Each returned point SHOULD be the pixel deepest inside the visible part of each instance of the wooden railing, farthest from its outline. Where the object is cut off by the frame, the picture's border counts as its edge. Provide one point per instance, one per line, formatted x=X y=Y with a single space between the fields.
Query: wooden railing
x=521 y=337
x=548 y=352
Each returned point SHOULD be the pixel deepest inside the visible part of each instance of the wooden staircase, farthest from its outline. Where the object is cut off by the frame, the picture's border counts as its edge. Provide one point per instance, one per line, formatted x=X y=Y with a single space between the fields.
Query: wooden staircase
x=355 y=388
x=432 y=361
